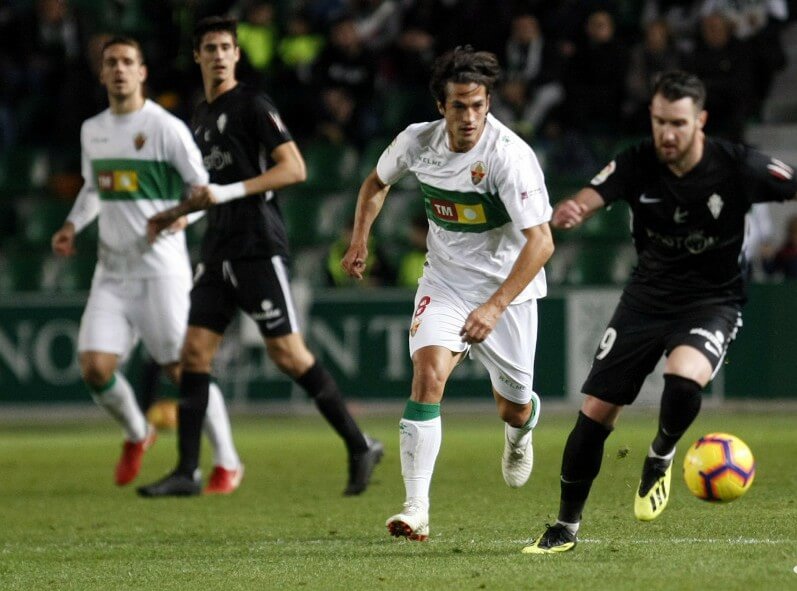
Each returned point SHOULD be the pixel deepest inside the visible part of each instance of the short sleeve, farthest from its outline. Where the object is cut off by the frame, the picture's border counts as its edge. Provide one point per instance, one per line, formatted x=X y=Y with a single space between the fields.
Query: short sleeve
x=184 y=154
x=394 y=161
x=268 y=124
x=521 y=188
x=617 y=180
x=766 y=178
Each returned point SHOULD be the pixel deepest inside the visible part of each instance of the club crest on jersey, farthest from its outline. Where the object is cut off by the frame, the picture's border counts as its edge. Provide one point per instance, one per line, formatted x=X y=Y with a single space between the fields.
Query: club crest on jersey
x=221 y=122
x=779 y=170
x=604 y=174
x=715 y=204
x=139 y=141
x=478 y=170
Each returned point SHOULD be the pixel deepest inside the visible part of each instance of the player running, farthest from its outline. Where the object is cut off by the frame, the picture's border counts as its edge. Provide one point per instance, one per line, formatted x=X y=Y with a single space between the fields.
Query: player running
x=488 y=213
x=244 y=261
x=137 y=161
x=689 y=195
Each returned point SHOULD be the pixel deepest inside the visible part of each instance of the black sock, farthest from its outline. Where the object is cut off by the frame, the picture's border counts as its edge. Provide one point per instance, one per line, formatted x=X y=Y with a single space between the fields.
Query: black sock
x=581 y=462
x=191 y=415
x=150 y=383
x=680 y=405
x=321 y=387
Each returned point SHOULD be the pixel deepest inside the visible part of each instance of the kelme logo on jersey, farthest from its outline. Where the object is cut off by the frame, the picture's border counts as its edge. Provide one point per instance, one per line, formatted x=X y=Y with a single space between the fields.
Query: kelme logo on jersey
x=124 y=181
x=458 y=212
x=478 y=170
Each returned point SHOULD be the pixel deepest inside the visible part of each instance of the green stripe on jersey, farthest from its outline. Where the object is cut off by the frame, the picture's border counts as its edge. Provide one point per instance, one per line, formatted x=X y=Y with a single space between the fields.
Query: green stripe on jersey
x=127 y=180
x=464 y=212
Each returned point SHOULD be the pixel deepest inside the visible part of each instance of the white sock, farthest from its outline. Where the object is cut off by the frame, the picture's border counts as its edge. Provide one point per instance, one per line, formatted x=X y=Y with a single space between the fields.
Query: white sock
x=419 y=443
x=218 y=431
x=120 y=402
x=653 y=454
x=518 y=436
x=571 y=527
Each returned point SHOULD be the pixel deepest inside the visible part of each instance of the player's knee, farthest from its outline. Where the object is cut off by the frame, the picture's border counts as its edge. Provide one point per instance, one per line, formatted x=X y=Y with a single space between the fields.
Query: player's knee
x=195 y=358
x=95 y=373
x=428 y=383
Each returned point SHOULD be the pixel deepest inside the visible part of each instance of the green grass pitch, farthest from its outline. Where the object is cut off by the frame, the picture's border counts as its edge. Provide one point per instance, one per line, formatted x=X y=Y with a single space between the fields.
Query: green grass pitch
x=65 y=526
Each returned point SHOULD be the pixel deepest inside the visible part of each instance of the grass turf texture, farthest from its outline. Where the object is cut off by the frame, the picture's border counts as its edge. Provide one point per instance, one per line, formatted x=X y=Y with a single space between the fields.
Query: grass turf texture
x=64 y=525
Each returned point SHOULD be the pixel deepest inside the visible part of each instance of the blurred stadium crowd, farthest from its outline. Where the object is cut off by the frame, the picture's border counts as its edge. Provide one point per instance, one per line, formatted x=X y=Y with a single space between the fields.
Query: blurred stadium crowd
x=349 y=74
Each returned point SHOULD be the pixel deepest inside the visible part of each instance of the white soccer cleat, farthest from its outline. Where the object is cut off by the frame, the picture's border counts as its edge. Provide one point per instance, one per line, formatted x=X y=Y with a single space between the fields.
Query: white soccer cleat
x=412 y=523
x=518 y=459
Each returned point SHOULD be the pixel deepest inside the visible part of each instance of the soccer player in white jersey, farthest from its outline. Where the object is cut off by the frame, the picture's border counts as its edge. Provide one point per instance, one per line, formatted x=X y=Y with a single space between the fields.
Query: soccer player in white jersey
x=137 y=160
x=488 y=240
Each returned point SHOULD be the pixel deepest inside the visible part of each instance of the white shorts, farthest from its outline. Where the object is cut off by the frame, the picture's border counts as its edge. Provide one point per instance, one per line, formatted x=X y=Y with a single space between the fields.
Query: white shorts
x=120 y=311
x=507 y=353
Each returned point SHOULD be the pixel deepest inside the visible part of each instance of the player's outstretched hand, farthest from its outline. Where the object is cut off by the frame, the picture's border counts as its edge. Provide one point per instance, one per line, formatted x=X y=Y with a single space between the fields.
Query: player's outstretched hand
x=353 y=262
x=568 y=214
x=63 y=241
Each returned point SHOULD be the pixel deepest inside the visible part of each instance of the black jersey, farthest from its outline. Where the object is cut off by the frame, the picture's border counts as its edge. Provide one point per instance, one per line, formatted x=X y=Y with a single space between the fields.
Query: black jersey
x=237 y=133
x=688 y=231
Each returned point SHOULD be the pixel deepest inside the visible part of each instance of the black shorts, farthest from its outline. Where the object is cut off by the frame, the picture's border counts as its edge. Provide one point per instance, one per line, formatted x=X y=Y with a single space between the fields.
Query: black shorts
x=260 y=287
x=634 y=342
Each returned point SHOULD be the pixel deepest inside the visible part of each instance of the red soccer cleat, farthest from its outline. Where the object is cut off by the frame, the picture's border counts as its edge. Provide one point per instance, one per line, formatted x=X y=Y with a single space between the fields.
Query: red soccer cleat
x=223 y=481
x=132 y=452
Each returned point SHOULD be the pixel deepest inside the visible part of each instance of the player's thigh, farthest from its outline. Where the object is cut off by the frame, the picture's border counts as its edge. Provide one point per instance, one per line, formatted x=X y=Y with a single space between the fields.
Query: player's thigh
x=263 y=292
x=105 y=326
x=627 y=353
x=437 y=319
x=213 y=303
x=162 y=316
x=699 y=337
x=508 y=353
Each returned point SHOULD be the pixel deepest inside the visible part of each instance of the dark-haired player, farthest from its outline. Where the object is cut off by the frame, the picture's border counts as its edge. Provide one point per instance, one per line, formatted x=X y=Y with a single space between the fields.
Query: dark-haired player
x=689 y=195
x=488 y=240
x=249 y=154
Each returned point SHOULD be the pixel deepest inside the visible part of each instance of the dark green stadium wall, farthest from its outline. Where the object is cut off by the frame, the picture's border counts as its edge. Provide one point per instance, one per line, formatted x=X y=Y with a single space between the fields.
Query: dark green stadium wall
x=361 y=335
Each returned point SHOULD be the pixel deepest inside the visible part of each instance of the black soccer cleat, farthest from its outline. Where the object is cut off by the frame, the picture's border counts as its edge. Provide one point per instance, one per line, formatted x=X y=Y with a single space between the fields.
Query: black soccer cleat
x=173 y=485
x=556 y=538
x=361 y=466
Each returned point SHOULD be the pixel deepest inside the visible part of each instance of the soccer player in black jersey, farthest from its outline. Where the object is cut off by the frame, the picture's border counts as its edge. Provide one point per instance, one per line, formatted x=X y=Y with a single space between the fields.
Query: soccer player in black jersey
x=689 y=195
x=249 y=154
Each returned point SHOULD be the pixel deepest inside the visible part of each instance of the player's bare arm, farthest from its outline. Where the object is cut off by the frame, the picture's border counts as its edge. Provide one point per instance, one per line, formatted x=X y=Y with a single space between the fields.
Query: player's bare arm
x=573 y=212
x=63 y=241
x=168 y=219
x=288 y=169
x=533 y=256
x=369 y=203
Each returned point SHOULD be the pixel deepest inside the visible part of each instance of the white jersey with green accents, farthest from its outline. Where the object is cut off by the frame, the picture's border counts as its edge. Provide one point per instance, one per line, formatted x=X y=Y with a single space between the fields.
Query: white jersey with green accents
x=477 y=203
x=135 y=165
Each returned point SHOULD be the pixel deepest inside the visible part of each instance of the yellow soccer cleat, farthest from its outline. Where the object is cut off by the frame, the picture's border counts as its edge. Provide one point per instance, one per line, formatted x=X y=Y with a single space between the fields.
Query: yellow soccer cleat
x=557 y=538
x=654 y=489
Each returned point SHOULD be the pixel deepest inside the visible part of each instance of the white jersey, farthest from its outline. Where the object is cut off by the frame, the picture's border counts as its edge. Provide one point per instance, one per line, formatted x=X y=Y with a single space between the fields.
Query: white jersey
x=135 y=165
x=477 y=203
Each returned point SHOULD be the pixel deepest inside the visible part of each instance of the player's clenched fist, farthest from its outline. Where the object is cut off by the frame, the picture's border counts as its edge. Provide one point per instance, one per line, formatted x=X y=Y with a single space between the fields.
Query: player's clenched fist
x=568 y=214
